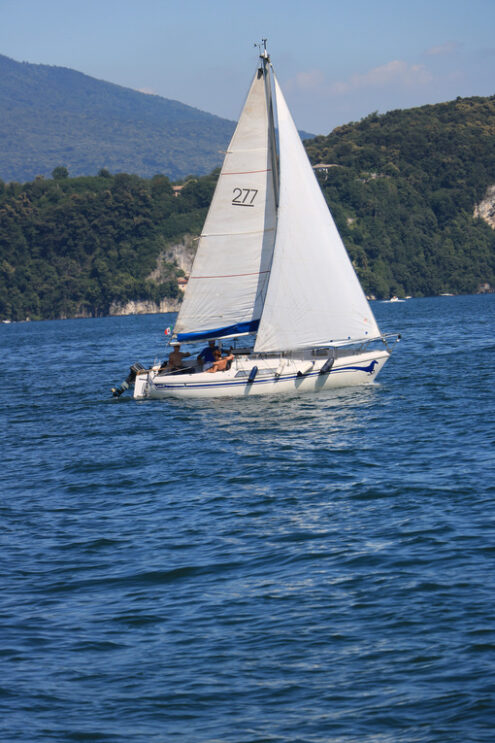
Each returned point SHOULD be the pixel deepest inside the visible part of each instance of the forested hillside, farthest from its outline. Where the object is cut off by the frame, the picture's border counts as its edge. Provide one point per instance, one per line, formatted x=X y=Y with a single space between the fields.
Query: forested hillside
x=403 y=188
x=73 y=246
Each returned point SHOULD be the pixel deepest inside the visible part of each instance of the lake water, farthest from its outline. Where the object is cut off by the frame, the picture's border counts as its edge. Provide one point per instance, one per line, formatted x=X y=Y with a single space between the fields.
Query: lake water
x=319 y=568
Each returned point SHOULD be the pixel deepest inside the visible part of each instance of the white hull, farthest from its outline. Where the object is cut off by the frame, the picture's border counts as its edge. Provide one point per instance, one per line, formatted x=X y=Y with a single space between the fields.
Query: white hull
x=275 y=375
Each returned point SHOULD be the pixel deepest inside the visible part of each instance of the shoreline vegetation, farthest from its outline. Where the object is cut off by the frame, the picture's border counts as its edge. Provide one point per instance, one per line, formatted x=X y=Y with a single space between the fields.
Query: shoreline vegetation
x=135 y=308
x=412 y=193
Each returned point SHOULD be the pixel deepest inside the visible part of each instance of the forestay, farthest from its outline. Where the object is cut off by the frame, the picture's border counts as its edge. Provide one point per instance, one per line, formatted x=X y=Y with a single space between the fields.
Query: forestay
x=314 y=296
x=228 y=282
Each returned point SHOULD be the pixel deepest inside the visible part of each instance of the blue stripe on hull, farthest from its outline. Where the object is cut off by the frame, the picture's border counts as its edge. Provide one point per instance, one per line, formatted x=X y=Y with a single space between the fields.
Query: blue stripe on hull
x=268 y=380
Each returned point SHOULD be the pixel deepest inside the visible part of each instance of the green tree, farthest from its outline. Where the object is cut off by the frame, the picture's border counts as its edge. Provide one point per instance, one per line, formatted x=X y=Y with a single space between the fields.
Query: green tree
x=60 y=173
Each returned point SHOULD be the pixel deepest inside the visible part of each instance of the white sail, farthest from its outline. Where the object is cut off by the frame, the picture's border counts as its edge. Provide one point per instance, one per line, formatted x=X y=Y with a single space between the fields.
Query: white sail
x=270 y=260
x=228 y=281
x=314 y=296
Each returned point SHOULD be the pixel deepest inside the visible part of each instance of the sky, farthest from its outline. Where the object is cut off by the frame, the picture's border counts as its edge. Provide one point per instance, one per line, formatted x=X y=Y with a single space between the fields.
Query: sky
x=336 y=60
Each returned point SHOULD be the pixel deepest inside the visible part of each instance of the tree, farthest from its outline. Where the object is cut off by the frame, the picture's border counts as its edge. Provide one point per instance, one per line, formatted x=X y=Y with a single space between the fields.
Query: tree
x=60 y=173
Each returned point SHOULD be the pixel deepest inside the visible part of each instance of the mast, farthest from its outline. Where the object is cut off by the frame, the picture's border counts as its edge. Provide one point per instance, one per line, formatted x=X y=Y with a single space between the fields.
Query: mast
x=265 y=68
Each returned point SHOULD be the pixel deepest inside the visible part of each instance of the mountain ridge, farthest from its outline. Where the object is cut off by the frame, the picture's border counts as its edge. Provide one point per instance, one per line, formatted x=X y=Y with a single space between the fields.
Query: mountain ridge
x=56 y=116
x=53 y=116
x=412 y=193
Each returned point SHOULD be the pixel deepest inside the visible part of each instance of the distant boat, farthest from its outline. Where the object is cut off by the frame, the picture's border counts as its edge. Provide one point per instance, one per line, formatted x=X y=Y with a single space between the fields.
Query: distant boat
x=271 y=265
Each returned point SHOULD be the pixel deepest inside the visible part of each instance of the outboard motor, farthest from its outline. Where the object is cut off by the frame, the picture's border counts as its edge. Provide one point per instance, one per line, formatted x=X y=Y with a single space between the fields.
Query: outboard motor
x=123 y=386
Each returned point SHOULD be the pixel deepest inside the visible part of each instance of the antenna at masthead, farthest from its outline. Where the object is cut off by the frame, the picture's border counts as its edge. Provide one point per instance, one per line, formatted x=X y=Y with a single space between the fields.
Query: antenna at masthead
x=262 y=50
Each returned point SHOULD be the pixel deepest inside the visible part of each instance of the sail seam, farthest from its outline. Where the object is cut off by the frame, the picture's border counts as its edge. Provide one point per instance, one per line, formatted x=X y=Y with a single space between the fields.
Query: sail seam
x=247 y=172
x=229 y=275
x=230 y=234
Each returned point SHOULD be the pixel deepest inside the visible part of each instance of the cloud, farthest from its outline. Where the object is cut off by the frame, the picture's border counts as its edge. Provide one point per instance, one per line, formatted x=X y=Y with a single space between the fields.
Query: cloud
x=147 y=91
x=396 y=73
x=311 y=80
x=393 y=73
x=448 y=48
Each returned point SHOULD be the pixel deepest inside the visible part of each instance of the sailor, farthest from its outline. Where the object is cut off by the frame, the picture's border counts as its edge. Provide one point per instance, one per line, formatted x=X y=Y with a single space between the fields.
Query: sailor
x=221 y=363
x=207 y=355
x=175 y=358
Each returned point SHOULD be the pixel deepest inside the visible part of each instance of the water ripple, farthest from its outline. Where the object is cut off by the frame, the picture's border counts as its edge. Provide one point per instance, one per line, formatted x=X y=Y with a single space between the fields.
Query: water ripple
x=295 y=570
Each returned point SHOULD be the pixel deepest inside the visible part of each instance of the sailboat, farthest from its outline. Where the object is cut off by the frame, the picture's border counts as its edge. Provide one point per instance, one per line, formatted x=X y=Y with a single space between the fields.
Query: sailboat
x=270 y=266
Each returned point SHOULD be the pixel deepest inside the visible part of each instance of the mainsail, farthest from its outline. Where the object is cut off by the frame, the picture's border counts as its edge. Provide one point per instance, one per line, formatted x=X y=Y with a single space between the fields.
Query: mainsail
x=314 y=296
x=270 y=258
x=229 y=278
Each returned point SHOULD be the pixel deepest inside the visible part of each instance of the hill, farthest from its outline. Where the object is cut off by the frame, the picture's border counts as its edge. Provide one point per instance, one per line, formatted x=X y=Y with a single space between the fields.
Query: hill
x=55 y=116
x=79 y=247
x=404 y=189
x=412 y=192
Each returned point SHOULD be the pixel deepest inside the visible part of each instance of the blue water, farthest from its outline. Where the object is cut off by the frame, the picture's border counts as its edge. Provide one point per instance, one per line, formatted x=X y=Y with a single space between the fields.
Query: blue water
x=319 y=568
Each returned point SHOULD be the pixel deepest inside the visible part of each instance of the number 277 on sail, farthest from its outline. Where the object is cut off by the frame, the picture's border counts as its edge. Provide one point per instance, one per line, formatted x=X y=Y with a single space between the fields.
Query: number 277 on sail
x=244 y=196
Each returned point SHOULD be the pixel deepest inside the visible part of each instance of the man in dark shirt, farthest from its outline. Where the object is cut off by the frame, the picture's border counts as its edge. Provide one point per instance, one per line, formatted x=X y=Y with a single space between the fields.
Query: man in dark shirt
x=207 y=355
